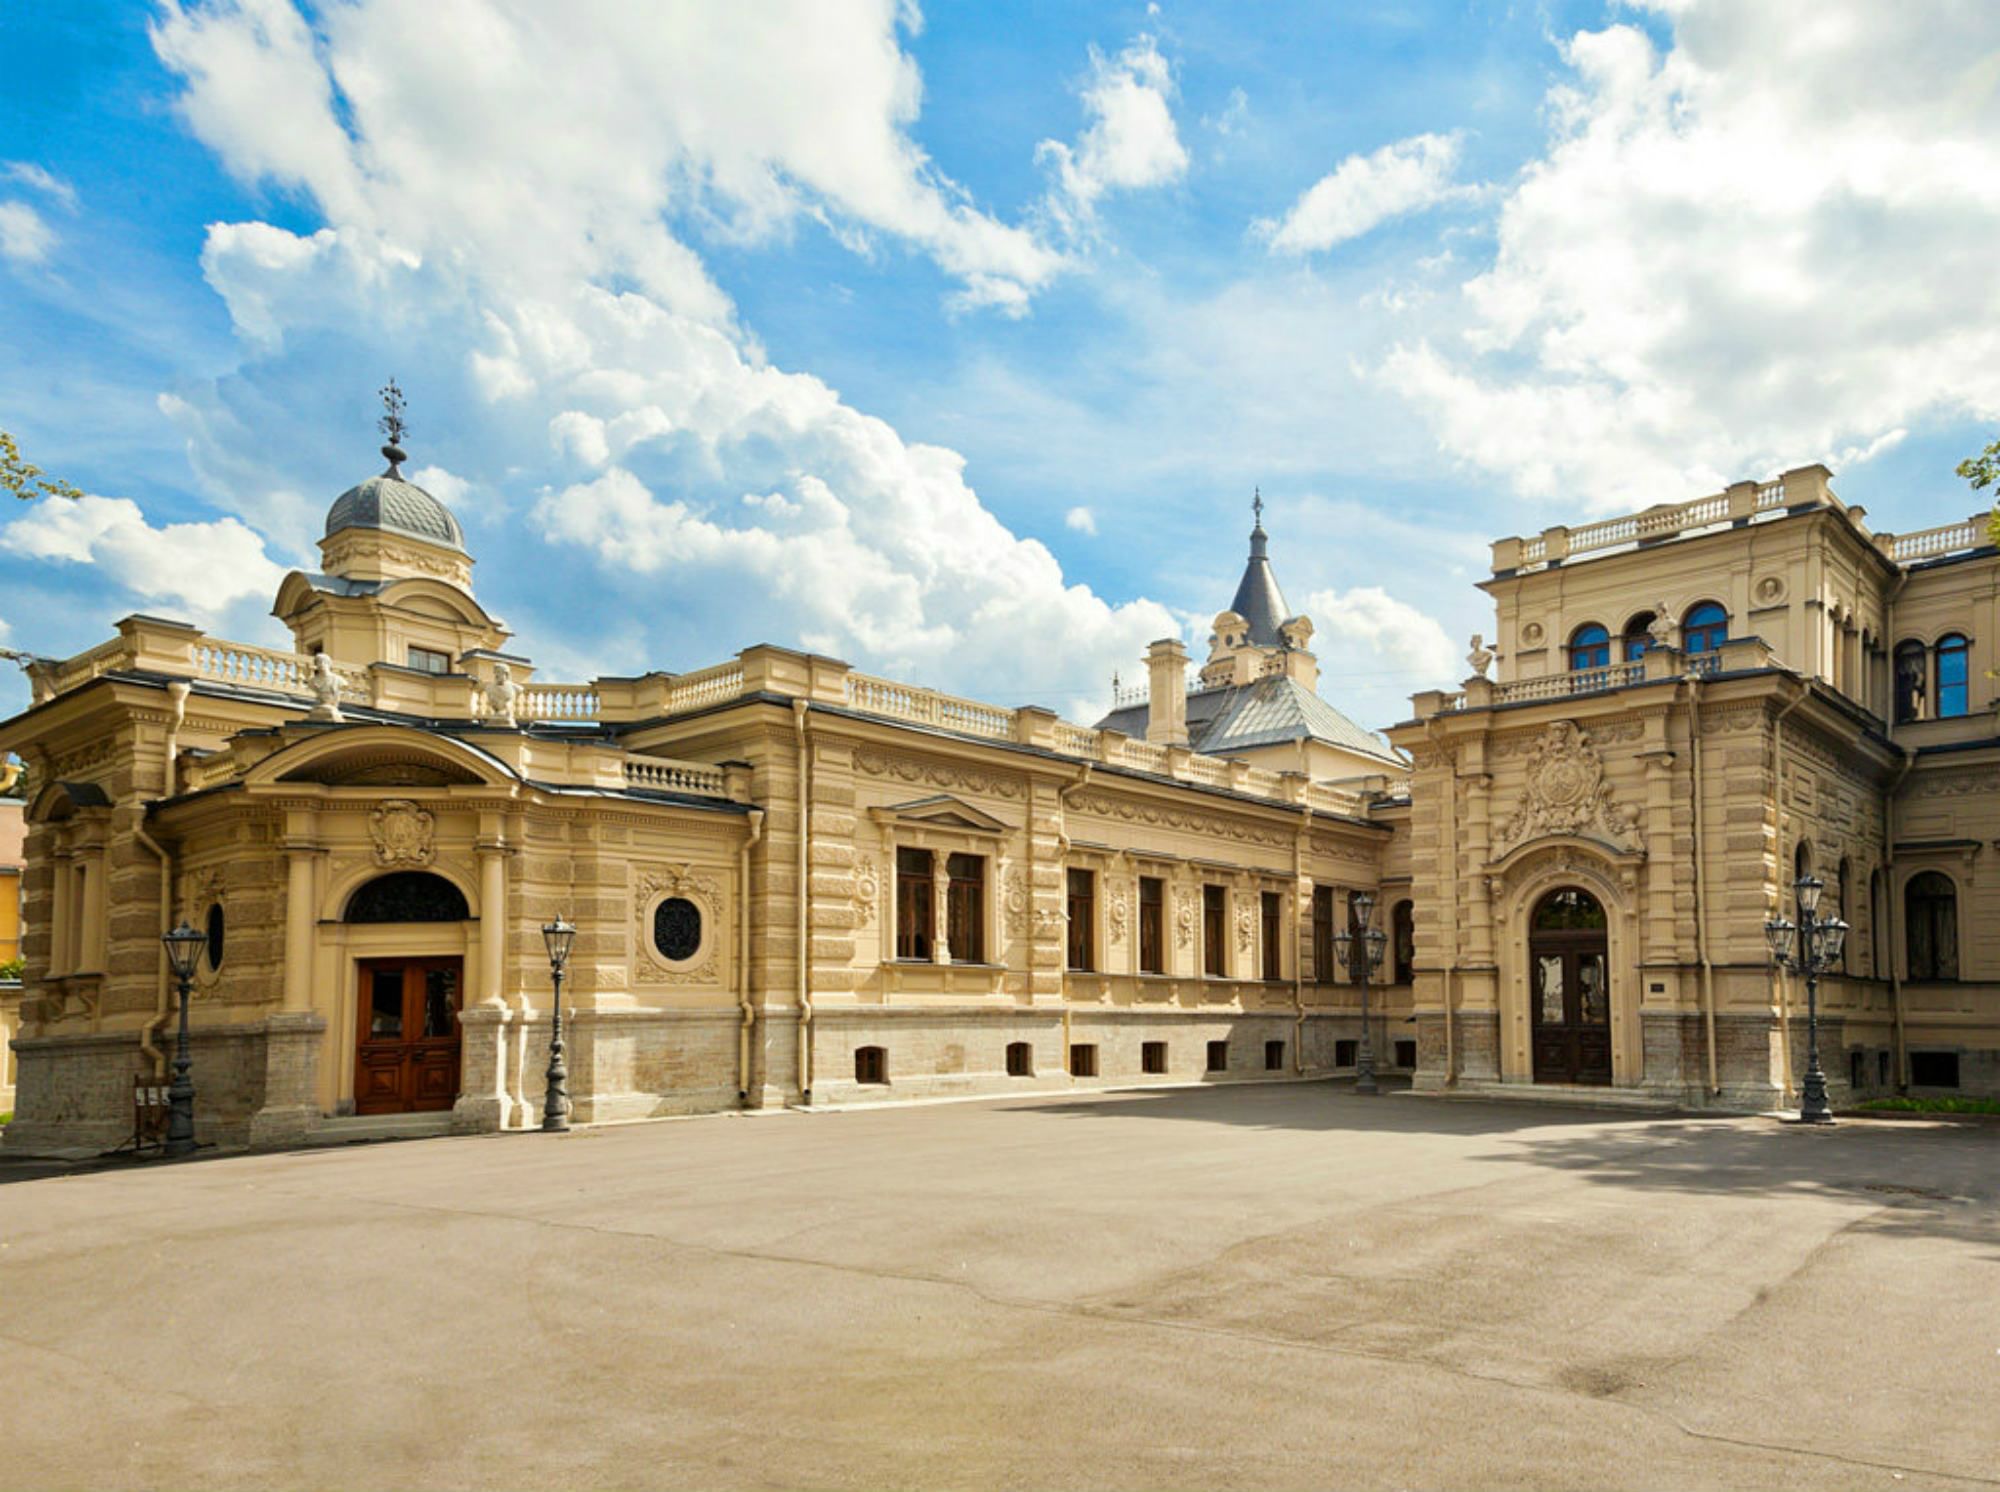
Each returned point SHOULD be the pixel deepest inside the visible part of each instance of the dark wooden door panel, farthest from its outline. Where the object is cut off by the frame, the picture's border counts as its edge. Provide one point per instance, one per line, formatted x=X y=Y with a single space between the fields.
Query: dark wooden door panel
x=407 y=1053
x=1569 y=992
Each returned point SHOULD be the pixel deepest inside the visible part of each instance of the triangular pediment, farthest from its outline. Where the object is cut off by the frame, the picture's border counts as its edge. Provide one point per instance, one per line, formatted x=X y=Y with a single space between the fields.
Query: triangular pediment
x=942 y=811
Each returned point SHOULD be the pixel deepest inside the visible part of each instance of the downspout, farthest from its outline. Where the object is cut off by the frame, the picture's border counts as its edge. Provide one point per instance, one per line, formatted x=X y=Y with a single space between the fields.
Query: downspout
x=177 y=696
x=799 y=708
x=1778 y=777
x=1298 y=964
x=1890 y=901
x=743 y=955
x=1701 y=889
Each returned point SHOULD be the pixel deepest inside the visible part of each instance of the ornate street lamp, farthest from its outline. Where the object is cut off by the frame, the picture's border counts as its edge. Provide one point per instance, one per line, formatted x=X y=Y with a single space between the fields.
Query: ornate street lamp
x=555 y=1096
x=184 y=947
x=1809 y=948
x=1362 y=957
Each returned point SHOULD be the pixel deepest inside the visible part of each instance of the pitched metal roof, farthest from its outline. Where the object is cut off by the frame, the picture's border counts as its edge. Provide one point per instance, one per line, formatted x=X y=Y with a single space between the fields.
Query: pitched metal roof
x=1258 y=599
x=1231 y=719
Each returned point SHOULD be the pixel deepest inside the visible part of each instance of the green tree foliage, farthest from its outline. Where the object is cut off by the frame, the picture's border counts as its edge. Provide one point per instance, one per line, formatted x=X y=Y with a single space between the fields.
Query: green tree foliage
x=26 y=480
x=1983 y=471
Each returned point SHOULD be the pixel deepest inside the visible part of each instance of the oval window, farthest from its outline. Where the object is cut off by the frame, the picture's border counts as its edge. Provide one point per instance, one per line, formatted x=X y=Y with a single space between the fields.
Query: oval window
x=677 y=929
x=215 y=930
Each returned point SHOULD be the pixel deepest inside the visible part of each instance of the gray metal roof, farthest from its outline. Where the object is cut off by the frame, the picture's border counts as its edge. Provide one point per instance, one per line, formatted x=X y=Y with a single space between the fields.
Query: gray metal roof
x=1235 y=717
x=1258 y=599
x=395 y=506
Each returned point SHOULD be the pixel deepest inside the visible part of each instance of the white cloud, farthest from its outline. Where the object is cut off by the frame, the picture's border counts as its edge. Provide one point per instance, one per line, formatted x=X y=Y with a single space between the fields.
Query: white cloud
x=499 y=190
x=31 y=175
x=1365 y=191
x=25 y=236
x=202 y=568
x=1712 y=274
x=1081 y=519
x=1131 y=140
x=1368 y=620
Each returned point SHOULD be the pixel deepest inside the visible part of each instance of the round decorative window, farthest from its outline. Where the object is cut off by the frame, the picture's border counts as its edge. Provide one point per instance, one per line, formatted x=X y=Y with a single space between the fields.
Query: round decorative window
x=215 y=931
x=677 y=929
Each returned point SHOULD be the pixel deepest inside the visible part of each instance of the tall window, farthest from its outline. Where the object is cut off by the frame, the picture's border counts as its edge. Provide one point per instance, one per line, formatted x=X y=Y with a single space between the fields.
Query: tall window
x=1840 y=906
x=1323 y=969
x=1152 y=925
x=916 y=911
x=1638 y=637
x=1589 y=647
x=1930 y=926
x=1274 y=935
x=1705 y=628
x=1912 y=688
x=965 y=908
x=1878 y=927
x=1082 y=918
x=1953 y=690
x=1214 y=931
x=1403 y=938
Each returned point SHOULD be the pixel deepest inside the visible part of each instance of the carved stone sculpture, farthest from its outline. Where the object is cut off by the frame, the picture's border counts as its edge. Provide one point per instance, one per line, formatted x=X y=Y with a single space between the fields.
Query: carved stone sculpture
x=1565 y=793
x=1661 y=628
x=326 y=690
x=1481 y=656
x=503 y=695
x=404 y=833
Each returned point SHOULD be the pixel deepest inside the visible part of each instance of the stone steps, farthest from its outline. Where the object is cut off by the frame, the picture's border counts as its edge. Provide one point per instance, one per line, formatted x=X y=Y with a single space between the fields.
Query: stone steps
x=358 y=1128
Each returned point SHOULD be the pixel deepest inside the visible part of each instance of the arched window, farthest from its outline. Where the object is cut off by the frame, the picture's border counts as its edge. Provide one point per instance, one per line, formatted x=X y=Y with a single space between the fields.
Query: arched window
x=1801 y=862
x=1568 y=910
x=1403 y=938
x=1705 y=628
x=1911 y=690
x=1840 y=908
x=1638 y=636
x=1953 y=688
x=408 y=896
x=1878 y=926
x=1930 y=926
x=1590 y=647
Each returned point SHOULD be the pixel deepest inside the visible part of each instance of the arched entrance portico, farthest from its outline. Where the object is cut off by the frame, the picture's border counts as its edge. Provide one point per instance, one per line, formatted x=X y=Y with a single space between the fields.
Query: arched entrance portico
x=407 y=1041
x=1569 y=988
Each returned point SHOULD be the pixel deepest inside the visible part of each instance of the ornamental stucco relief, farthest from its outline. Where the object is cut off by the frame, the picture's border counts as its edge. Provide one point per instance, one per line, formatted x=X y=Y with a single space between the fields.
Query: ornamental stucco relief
x=1566 y=793
x=403 y=832
x=938 y=774
x=867 y=889
x=1115 y=913
x=653 y=884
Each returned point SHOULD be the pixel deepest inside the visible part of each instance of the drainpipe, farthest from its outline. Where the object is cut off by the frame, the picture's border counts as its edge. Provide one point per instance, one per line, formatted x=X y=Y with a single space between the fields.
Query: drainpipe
x=1890 y=901
x=1778 y=777
x=177 y=697
x=1298 y=964
x=1448 y=852
x=1062 y=803
x=743 y=956
x=799 y=708
x=1701 y=885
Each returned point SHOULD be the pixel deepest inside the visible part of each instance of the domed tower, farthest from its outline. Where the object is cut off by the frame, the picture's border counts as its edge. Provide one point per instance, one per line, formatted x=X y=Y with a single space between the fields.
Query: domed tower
x=396 y=581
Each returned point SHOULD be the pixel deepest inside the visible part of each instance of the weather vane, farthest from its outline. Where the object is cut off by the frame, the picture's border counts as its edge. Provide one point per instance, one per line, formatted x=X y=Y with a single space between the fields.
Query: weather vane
x=1256 y=498
x=392 y=424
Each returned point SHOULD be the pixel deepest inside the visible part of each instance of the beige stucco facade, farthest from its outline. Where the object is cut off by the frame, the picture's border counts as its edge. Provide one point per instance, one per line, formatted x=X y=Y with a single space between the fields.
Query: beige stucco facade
x=799 y=884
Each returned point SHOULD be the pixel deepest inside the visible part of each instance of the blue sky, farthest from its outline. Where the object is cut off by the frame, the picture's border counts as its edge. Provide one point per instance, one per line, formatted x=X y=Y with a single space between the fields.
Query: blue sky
x=954 y=343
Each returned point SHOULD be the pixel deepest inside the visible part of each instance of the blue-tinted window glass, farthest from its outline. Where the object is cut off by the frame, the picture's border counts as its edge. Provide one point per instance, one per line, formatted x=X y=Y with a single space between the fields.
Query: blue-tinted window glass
x=1706 y=628
x=1952 y=690
x=1590 y=647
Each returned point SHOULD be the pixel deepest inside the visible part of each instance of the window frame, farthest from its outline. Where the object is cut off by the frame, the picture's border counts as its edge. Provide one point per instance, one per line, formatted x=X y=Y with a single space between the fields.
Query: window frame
x=965 y=907
x=1957 y=646
x=1080 y=937
x=1589 y=647
x=916 y=935
x=410 y=656
x=1402 y=949
x=1940 y=915
x=1214 y=931
x=1324 y=965
x=1701 y=633
x=1271 y=926
x=1153 y=926
x=1909 y=681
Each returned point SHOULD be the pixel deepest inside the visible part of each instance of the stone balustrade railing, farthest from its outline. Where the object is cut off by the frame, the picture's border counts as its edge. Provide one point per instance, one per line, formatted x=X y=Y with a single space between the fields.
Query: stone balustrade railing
x=666 y=774
x=152 y=646
x=1932 y=543
x=1743 y=502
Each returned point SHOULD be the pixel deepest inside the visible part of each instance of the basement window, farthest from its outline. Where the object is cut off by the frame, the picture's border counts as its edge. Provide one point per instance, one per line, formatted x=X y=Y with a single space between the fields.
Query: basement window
x=1020 y=1060
x=1343 y=1053
x=1933 y=1069
x=1153 y=1056
x=1218 y=1056
x=1083 y=1060
x=1274 y=1056
x=871 y=1065
x=1406 y=1054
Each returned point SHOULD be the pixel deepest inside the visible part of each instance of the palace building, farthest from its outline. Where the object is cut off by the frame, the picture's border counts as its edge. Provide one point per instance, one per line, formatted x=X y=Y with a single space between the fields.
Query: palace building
x=796 y=883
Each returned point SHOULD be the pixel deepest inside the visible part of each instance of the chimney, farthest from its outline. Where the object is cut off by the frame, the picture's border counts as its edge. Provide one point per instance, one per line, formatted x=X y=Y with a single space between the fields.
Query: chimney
x=1166 y=715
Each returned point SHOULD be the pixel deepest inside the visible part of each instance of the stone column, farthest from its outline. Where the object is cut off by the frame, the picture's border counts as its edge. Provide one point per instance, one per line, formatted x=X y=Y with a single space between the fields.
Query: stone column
x=492 y=922
x=940 y=908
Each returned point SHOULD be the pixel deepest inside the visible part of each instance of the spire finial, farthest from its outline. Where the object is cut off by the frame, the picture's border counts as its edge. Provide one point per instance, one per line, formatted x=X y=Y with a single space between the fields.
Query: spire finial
x=393 y=427
x=1257 y=504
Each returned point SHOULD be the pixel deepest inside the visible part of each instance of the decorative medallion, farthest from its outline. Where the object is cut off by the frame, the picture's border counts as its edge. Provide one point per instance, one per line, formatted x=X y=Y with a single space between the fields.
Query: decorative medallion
x=1016 y=900
x=1566 y=792
x=1531 y=635
x=676 y=917
x=1246 y=927
x=1115 y=912
x=1185 y=917
x=403 y=833
x=867 y=888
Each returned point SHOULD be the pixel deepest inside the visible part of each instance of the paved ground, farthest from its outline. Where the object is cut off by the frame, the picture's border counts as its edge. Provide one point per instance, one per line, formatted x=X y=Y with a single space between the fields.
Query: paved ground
x=1265 y=1287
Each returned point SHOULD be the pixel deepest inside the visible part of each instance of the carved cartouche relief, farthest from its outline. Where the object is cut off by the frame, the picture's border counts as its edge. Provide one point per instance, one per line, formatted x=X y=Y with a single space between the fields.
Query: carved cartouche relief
x=403 y=833
x=1565 y=793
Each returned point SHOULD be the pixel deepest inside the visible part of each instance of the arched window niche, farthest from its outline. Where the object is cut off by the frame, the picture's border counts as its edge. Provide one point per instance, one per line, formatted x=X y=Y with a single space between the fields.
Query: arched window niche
x=1912 y=683
x=1954 y=679
x=1590 y=647
x=1705 y=627
x=1637 y=637
x=1930 y=925
x=407 y=896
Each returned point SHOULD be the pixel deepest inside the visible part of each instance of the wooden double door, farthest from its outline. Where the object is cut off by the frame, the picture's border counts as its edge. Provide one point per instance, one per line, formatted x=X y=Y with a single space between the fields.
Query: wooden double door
x=1569 y=976
x=407 y=1049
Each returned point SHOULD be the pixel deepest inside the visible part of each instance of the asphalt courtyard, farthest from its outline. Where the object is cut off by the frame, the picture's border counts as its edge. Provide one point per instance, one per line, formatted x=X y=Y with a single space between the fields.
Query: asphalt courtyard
x=1272 y=1286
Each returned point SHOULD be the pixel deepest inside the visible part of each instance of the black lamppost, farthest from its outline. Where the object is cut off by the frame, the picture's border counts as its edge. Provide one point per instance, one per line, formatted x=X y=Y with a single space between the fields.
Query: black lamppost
x=184 y=946
x=1363 y=956
x=1810 y=948
x=555 y=1096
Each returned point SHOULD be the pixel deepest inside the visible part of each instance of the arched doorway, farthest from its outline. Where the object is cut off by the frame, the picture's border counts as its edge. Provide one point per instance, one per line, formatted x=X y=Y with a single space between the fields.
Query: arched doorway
x=1569 y=972
x=407 y=1045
